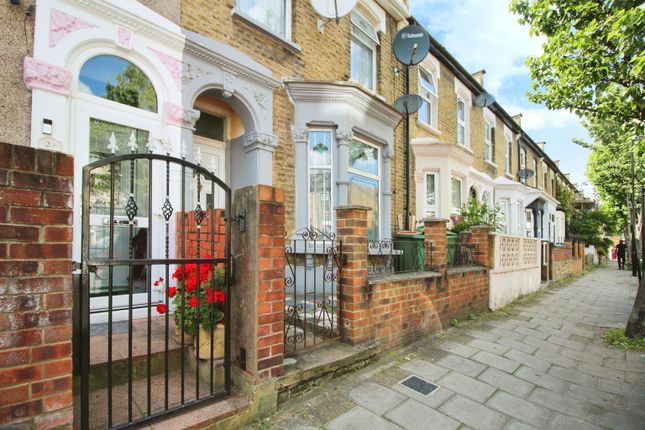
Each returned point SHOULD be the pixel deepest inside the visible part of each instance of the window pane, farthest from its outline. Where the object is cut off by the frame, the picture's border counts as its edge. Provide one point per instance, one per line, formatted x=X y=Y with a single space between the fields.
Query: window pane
x=425 y=112
x=117 y=79
x=269 y=13
x=362 y=25
x=210 y=126
x=320 y=200
x=461 y=134
x=364 y=191
x=363 y=157
x=427 y=82
x=431 y=196
x=461 y=110
x=102 y=135
x=362 y=63
x=320 y=148
x=456 y=193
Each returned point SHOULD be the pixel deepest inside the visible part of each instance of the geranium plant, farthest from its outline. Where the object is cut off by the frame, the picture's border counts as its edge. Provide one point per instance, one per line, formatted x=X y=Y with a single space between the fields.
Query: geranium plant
x=203 y=303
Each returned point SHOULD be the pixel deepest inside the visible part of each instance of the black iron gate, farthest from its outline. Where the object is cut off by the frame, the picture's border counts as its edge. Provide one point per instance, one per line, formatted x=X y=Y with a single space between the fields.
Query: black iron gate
x=312 y=290
x=155 y=272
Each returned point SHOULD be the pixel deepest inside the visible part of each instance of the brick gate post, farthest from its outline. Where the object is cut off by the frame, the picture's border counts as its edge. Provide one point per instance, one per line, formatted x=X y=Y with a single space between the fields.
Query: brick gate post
x=435 y=243
x=35 y=288
x=351 y=227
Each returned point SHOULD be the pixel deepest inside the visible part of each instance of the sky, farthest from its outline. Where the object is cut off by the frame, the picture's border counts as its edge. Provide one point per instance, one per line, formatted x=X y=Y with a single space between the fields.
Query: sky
x=483 y=34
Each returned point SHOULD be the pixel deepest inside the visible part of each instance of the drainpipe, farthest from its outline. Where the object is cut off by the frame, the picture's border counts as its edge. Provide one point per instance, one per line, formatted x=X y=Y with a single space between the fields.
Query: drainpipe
x=407 y=154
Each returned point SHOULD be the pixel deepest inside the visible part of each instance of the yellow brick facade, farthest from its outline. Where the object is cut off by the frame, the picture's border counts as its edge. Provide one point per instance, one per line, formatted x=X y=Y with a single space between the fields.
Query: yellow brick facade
x=318 y=56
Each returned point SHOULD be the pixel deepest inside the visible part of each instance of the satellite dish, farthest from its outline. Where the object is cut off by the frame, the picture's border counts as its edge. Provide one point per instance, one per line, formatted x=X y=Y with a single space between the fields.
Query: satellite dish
x=333 y=9
x=409 y=103
x=525 y=173
x=484 y=99
x=411 y=45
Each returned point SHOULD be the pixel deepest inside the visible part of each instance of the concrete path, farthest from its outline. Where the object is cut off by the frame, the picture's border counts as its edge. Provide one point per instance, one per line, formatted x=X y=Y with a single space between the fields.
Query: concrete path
x=544 y=368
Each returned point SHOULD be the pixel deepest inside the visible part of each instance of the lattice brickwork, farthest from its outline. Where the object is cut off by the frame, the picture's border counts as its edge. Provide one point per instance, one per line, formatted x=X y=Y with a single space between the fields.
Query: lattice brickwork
x=515 y=253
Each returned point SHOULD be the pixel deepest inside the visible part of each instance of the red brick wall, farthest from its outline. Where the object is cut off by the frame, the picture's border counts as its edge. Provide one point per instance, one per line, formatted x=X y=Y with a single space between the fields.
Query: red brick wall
x=395 y=309
x=270 y=295
x=563 y=262
x=35 y=288
x=201 y=235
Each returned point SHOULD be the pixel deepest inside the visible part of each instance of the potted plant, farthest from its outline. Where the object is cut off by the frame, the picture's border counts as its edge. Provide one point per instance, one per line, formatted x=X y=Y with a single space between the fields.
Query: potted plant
x=203 y=306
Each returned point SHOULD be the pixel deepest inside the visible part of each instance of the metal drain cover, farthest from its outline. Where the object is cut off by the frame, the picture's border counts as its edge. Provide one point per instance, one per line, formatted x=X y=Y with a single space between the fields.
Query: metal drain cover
x=419 y=385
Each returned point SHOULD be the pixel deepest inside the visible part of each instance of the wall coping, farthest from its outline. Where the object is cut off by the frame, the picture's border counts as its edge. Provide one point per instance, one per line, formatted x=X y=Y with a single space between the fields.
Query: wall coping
x=454 y=270
x=353 y=207
x=398 y=277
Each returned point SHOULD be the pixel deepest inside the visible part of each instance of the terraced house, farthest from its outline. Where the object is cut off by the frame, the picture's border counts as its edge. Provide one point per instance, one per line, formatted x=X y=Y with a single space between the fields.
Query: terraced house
x=194 y=190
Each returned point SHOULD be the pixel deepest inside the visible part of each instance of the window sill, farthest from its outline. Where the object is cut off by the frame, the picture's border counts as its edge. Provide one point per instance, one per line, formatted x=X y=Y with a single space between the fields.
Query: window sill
x=294 y=47
x=367 y=90
x=491 y=164
x=465 y=148
x=428 y=127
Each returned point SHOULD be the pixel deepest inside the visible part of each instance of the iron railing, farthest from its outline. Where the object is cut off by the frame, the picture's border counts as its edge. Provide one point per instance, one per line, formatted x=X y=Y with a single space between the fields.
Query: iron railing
x=461 y=254
x=395 y=256
x=312 y=290
x=131 y=369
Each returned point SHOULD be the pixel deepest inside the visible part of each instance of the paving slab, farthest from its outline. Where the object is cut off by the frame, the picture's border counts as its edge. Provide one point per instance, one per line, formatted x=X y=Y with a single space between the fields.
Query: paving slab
x=375 y=397
x=360 y=419
x=516 y=425
x=496 y=361
x=412 y=415
x=517 y=345
x=520 y=409
x=467 y=386
x=460 y=364
x=542 y=379
x=458 y=349
x=560 y=402
x=485 y=345
x=528 y=360
x=425 y=369
x=473 y=414
x=506 y=382
x=564 y=422
x=572 y=375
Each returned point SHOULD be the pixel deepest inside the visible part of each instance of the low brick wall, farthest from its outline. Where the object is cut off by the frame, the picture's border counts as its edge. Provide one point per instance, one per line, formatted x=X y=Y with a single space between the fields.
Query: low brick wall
x=566 y=260
x=395 y=309
x=35 y=288
x=211 y=242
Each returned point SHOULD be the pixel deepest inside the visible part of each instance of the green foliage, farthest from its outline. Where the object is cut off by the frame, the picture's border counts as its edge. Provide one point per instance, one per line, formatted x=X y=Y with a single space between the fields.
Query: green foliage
x=593 y=227
x=616 y=338
x=474 y=213
x=593 y=60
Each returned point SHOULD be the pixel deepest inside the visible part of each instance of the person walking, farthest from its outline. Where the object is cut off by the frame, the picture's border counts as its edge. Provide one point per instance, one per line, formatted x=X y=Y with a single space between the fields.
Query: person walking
x=621 y=250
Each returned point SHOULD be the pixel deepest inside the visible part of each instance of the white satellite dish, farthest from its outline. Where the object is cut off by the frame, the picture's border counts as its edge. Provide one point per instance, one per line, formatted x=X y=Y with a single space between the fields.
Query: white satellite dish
x=484 y=99
x=333 y=9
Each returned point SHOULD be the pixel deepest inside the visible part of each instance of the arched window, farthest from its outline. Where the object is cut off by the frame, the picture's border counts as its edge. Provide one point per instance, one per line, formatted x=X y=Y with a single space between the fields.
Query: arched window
x=114 y=78
x=428 y=92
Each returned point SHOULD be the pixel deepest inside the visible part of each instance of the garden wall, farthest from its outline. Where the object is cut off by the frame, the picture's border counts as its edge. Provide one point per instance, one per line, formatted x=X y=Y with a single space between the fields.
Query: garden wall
x=566 y=260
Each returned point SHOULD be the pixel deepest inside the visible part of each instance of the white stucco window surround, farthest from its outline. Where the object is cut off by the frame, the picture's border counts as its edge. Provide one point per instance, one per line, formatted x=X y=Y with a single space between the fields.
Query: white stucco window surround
x=483 y=183
x=489 y=136
x=364 y=42
x=428 y=82
x=508 y=151
x=361 y=129
x=464 y=105
x=444 y=160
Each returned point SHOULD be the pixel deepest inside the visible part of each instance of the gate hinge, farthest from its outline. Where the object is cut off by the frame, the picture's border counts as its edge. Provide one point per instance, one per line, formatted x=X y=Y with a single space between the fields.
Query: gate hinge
x=76 y=268
x=240 y=219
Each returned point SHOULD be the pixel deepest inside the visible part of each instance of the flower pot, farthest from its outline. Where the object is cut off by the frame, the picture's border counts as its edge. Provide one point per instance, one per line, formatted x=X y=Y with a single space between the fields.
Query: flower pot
x=205 y=345
x=188 y=338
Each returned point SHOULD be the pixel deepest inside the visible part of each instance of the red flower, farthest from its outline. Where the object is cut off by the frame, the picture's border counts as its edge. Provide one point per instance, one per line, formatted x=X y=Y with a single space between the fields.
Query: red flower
x=191 y=284
x=160 y=279
x=161 y=308
x=172 y=292
x=194 y=302
x=156 y=283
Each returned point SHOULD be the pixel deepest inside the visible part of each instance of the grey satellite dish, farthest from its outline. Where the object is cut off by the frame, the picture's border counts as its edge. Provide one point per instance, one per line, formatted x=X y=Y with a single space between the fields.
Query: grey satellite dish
x=525 y=173
x=484 y=99
x=333 y=9
x=411 y=45
x=409 y=103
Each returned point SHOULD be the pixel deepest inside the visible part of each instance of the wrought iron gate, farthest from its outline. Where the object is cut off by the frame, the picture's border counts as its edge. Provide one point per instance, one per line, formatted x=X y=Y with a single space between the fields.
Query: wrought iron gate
x=155 y=270
x=312 y=290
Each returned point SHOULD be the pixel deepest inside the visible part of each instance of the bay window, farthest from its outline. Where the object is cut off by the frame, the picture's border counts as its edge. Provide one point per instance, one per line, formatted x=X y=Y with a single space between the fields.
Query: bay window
x=274 y=15
x=364 y=41
x=428 y=92
x=455 y=186
x=431 y=195
x=320 y=180
x=364 y=182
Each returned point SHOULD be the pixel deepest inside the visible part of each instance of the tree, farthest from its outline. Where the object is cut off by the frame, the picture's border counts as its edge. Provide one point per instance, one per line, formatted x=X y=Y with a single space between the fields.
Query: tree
x=132 y=88
x=593 y=227
x=593 y=62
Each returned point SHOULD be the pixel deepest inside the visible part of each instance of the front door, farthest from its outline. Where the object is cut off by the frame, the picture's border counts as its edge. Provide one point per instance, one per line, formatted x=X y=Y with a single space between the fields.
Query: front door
x=110 y=133
x=212 y=155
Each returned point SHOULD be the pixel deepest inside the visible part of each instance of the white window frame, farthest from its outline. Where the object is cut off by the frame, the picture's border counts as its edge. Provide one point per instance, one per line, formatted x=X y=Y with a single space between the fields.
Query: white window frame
x=377 y=177
x=535 y=174
x=508 y=140
x=464 y=95
x=523 y=156
x=359 y=35
x=323 y=167
x=462 y=123
x=545 y=175
x=287 y=19
x=505 y=210
x=461 y=194
x=488 y=140
x=437 y=204
x=429 y=97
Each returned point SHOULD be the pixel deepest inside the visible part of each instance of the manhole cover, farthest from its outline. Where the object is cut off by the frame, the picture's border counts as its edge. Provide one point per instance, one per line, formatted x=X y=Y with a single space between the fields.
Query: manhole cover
x=419 y=385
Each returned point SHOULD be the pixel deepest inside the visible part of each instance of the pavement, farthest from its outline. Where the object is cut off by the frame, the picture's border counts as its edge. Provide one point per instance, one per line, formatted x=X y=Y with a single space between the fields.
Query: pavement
x=543 y=367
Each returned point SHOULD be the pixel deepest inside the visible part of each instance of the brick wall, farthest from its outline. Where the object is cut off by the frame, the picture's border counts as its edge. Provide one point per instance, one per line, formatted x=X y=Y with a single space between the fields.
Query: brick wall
x=208 y=245
x=395 y=309
x=566 y=260
x=35 y=288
